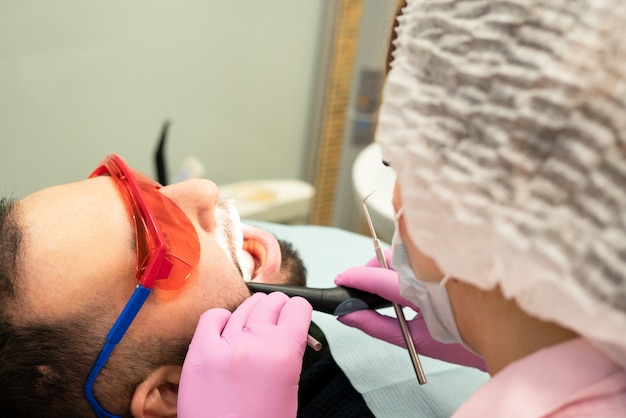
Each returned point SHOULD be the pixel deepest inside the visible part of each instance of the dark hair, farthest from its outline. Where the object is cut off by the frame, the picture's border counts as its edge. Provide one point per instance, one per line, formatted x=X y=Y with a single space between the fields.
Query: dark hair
x=392 y=36
x=44 y=364
x=43 y=369
x=292 y=269
x=10 y=238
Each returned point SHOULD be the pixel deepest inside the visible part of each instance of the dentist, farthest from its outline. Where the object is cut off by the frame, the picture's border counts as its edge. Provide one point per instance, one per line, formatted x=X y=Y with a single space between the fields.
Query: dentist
x=505 y=125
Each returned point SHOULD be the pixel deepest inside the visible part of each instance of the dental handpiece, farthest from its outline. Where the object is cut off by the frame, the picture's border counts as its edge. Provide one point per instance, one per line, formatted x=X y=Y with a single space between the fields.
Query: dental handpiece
x=333 y=300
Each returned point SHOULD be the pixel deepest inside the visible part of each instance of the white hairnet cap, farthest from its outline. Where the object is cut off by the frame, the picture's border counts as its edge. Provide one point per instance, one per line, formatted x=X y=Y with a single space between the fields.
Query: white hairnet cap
x=506 y=125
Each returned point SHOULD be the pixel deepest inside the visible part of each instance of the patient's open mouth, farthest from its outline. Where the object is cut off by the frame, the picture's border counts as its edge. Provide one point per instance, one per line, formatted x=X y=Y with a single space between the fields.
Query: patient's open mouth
x=254 y=251
x=256 y=255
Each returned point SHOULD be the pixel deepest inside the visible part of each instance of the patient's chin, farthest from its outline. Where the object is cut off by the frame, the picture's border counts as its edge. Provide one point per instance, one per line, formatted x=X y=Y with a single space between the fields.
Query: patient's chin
x=276 y=278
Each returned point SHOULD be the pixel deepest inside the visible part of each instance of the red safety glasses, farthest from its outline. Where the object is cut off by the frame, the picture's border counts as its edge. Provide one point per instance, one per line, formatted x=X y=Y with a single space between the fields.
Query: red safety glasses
x=167 y=251
x=167 y=244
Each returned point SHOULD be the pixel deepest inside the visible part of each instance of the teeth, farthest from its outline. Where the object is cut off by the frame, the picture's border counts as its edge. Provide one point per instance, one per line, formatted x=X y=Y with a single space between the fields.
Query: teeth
x=231 y=238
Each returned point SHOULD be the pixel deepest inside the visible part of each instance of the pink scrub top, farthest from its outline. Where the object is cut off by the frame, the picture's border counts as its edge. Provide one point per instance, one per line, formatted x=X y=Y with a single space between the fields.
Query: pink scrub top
x=571 y=379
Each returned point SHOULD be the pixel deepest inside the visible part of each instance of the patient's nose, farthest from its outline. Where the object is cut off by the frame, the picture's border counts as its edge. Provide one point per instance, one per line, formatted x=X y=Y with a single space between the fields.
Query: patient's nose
x=197 y=198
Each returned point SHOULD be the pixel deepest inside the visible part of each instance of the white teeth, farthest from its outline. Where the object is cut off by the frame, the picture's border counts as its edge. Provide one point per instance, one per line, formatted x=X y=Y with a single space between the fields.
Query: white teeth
x=231 y=236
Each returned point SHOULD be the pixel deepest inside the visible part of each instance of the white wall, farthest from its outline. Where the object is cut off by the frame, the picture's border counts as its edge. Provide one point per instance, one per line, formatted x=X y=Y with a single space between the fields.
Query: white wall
x=80 y=79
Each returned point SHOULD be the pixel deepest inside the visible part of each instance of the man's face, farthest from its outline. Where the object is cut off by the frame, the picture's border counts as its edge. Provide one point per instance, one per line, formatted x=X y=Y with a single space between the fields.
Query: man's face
x=77 y=252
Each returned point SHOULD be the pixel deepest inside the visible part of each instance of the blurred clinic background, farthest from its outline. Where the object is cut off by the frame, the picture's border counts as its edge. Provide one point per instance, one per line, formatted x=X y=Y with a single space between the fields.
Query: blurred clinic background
x=273 y=100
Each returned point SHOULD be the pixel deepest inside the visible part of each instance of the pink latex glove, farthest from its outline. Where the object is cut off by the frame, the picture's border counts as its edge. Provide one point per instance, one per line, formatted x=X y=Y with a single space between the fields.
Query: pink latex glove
x=248 y=363
x=384 y=282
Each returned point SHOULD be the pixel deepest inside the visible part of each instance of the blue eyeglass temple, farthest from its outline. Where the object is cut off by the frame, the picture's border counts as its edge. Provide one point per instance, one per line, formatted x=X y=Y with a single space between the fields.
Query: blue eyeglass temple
x=133 y=305
x=114 y=336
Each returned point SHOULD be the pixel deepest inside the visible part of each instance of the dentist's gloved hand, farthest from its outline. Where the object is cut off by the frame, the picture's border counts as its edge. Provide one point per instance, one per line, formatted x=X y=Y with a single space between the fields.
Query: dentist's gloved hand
x=384 y=282
x=248 y=363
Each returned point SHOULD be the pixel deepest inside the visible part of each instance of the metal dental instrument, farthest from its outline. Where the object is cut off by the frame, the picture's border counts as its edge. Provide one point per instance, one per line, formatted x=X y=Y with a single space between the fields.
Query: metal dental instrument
x=421 y=378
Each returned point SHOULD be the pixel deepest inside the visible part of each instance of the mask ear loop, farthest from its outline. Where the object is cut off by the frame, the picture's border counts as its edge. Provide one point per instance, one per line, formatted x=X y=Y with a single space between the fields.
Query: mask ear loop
x=445 y=280
x=397 y=217
x=399 y=214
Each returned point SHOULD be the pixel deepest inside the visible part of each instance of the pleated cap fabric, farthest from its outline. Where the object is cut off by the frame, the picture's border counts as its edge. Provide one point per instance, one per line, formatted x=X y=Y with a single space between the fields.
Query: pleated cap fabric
x=506 y=125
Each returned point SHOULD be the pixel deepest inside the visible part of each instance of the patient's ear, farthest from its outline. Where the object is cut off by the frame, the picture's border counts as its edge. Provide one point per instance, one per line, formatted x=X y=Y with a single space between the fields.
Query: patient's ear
x=157 y=395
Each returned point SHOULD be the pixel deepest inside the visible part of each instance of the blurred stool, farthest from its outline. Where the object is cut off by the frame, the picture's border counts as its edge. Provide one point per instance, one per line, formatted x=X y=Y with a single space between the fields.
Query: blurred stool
x=281 y=201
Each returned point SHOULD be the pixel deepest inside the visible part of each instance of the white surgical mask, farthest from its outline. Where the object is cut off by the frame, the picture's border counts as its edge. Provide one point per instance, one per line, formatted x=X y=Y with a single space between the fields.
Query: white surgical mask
x=432 y=298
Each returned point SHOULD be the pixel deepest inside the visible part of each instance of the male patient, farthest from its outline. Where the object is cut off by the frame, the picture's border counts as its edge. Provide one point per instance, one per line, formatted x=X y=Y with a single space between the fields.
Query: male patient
x=70 y=260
